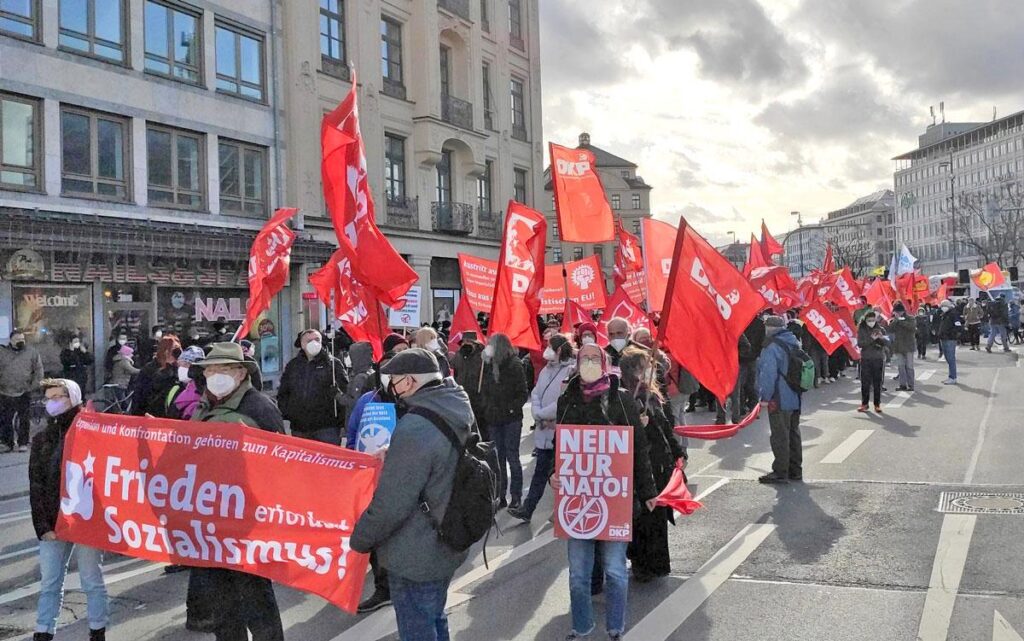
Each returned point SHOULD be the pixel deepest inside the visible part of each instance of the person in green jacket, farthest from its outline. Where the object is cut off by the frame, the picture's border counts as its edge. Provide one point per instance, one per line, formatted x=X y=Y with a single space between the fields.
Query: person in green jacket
x=904 y=331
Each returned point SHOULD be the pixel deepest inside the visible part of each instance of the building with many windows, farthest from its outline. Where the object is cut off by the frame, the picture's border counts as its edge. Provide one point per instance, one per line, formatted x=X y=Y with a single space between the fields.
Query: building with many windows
x=628 y=194
x=951 y=189
x=450 y=111
x=804 y=249
x=862 y=233
x=140 y=154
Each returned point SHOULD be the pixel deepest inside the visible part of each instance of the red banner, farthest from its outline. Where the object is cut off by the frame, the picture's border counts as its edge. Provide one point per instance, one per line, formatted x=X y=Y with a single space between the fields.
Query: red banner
x=823 y=326
x=552 y=296
x=620 y=306
x=881 y=295
x=594 y=464
x=990 y=276
x=716 y=432
x=584 y=215
x=707 y=307
x=586 y=283
x=659 y=243
x=634 y=286
x=520 y=277
x=218 y=495
x=845 y=319
x=269 y=261
x=478 y=278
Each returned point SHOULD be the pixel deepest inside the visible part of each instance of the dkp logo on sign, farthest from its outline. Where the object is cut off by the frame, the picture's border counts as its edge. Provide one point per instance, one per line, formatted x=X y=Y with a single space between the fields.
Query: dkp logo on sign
x=573 y=169
x=724 y=303
x=594 y=464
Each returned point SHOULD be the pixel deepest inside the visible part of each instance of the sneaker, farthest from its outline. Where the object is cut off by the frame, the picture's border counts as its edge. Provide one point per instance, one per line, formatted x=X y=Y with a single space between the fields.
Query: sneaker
x=98 y=635
x=988 y=349
x=902 y=388
x=174 y=569
x=949 y=381
x=614 y=636
x=42 y=636
x=878 y=409
x=376 y=601
x=862 y=408
x=773 y=479
x=515 y=504
x=519 y=513
x=576 y=636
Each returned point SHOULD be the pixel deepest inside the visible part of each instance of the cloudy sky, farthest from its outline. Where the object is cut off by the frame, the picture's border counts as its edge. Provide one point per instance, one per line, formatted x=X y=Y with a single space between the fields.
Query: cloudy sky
x=741 y=109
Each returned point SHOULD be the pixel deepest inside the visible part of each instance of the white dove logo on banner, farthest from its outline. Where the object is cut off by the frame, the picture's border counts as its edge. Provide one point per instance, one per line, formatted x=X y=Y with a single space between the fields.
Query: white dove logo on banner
x=78 y=483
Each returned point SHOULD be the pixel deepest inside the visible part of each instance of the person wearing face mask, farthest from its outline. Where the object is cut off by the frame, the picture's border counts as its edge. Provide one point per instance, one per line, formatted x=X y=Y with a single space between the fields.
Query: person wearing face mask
x=118 y=340
x=904 y=332
x=544 y=406
x=149 y=344
x=468 y=364
x=124 y=367
x=310 y=393
x=238 y=602
x=782 y=402
x=419 y=470
x=872 y=341
x=950 y=328
x=21 y=369
x=618 y=339
x=426 y=338
x=506 y=393
x=182 y=400
x=156 y=378
x=924 y=331
x=593 y=397
x=77 y=361
x=63 y=402
x=586 y=334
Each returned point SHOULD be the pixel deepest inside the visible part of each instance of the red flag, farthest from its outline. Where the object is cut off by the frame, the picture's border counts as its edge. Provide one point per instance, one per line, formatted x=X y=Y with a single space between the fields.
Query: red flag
x=574 y=316
x=845 y=319
x=634 y=286
x=769 y=245
x=586 y=283
x=375 y=263
x=629 y=265
x=620 y=306
x=829 y=264
x=355 y=305
x=990 y=276
x=269 y=261
x=676 y=495
x=584 y=215
x=823 y=326
x=552 y=296
x=708 y=304
x=846 y=291
x=464 y=320
x=478 y=278
x=880 y=295
x=716 y=432
x=520 y=276
x=755 y=257
x=776 y=286
x=659 y=242
x=939 y=294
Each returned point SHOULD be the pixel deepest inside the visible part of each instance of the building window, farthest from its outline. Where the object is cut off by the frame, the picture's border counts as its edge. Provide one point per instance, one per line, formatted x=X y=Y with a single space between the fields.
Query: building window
x=624 y=173
x=332 y=38
x=556 y=255
x=636 y=227
x=483 y=189
x=173 y=42
x=175 y=164
x=636 y=201
x=488 y=106
x=599 y=252
x=20 y=143
x=446 y=71
x=577 y=253
x=444 y=177
x=243 y=170
x=239 y=63
x=515 y=23
x=485 y=16
x=20 y=18
x=394 y=167
x=519 y=186
x=518 y=108
x=616 y=201
x=94 y=154
x=391 y=51
x=94 y=27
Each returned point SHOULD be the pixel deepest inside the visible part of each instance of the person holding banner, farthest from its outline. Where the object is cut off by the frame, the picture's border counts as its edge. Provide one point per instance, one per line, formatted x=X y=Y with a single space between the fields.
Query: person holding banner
x=593 y=397
x=63 y=402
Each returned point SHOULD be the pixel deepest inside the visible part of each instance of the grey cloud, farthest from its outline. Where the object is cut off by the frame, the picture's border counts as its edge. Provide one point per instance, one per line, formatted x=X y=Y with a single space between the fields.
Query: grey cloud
x=576 y=50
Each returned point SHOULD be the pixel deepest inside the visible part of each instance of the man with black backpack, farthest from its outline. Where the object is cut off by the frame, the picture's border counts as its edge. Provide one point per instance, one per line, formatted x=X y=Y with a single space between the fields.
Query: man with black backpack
x=784 y=371
x=409 y=522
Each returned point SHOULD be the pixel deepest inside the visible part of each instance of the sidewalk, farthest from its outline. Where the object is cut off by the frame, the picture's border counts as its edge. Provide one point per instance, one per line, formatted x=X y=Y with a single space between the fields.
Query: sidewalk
x=13 y=475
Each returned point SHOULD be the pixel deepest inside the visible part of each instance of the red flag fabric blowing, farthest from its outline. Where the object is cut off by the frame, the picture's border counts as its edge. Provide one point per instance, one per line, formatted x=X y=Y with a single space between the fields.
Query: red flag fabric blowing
x=355 y=305
x=659 y=243
x=755 y=257
x=463 y=321
x=269 y=262
x=676 y=495
x=990 y=276
x=478 y=278
x=823 y=326
x=769 y=245
x=620 y=306
x=520 y=277
x=584 y=215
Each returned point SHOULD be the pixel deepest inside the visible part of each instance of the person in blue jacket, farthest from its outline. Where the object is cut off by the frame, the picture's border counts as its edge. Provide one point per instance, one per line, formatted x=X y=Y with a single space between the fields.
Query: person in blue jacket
x=781 y=401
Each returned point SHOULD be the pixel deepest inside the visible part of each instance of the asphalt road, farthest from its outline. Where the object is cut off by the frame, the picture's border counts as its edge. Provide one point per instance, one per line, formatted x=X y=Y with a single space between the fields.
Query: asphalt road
x=858 y=551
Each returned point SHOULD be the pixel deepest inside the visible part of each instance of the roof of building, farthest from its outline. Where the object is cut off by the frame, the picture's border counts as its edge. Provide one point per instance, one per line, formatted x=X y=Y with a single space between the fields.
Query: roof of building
x=994 y=124
x=605 y=158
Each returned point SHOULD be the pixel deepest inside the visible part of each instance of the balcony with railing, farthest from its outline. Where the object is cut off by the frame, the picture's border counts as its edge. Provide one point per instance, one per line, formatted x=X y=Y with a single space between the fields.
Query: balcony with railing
x=458 y=7
x=403 y=213
x=452 y=218
x=457 y=112
x=490 y=224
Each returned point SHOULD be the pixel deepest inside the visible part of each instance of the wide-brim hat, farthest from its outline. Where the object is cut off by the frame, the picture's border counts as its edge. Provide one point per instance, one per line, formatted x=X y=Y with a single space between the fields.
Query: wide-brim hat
x=227 y=354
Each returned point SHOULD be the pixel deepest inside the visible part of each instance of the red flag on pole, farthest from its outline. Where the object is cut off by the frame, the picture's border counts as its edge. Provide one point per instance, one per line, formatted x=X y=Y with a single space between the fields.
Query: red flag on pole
x=620 y=306
x=708 y=304
x=845 y=319
x=823 y=326
x=829 y=264
x=659 y=243
x=355 y=305
x=520 y=277
x=879 y=294
x=463 y=321
x=269 y=260
x=629 y=265
x=769 y=245
x=584 y=215
x=756 y=258
x=776 y=286
x=375 y=262
x=990 y=276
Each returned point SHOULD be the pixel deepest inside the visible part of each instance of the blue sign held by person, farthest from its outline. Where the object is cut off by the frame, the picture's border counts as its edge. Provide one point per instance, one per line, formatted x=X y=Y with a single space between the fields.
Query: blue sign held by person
x=376 y=426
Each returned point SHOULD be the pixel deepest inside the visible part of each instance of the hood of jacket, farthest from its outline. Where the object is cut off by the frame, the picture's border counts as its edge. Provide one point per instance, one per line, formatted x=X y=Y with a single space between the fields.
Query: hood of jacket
x=361 y=354
x=449 y=400
x=785 y=336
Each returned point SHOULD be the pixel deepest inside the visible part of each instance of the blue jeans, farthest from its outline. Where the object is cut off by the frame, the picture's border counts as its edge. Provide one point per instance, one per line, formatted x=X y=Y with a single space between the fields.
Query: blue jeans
x=948 y=348
x=53 y=566
x=541 y=473
x=581 y=565
x=419 y=608
x=506 y=438
x=999 y=330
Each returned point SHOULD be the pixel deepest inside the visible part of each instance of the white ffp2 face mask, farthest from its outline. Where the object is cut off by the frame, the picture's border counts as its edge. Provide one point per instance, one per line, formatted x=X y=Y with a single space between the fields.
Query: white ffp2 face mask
x=589 y=340
x=313 y=348
x=549 y=355
x=432 y=345
x=220 y=385
x=619 y=344
x=590 y=372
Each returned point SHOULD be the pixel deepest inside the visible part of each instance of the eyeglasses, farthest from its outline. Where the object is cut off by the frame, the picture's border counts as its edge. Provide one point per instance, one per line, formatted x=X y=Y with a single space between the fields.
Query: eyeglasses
x=594 y=360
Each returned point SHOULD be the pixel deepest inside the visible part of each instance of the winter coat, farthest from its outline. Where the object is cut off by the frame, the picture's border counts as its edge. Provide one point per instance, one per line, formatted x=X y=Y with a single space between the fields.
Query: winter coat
x=361 y=374
x=183 y=401
x=44 y=469
x=505 y=397
x=245 y=405
x=468 y=363
x=755 y=333
x=150 y=388
x=999 y=312
x=614 y=407
x=123 y=371
x=949 y=326
x=871 y=349
x=1014 y=316
x=21 y=370
x=973 y=314
x=419 y=467
x=858 y=314
x=665 y=449
x=904 y=331
x=771 y=372
x=544 y=402
x=76 y=363
x=305 y=393
x=924 y=327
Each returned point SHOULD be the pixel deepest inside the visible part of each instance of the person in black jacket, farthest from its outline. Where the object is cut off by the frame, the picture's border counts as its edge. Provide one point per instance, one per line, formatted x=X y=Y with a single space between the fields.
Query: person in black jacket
x=151 y=385
x=924 y=332
x=649 y=548
x=593 y=397
x=63 y=401
x=999 y=323
x=468 y=367
x=949 y=329
x=77 y=361
x=505 y=382
x=310 y=394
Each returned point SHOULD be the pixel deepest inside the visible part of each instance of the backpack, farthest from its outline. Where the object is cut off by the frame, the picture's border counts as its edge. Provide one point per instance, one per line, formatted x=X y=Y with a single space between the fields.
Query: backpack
x=800 y=372
x=474 y=499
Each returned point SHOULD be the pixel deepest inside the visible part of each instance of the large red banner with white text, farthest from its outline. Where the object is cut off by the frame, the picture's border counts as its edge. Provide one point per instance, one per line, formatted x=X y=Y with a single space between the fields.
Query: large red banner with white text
x=824 y=326
x=552 y=295
x=218 y=495
x=478 y=278
x=520 y=276
x=585 y=280
x=594 y=464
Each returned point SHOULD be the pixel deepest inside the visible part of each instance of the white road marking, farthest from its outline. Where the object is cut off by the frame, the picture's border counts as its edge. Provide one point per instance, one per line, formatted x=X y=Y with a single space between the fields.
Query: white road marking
x=711 y=488
x=901 y=398
x=663 y=620
x=847 y=447
x=972 y=466
x=73 y=582
x=1002 y=630
x=947 y=570
x=11 y=517
x=925 y=375
x=17 y=553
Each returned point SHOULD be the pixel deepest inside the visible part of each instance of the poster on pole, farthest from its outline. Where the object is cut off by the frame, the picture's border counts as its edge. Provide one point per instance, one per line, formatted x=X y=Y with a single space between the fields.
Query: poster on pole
x=409 y=314
x=594 y=464
x=376 y=426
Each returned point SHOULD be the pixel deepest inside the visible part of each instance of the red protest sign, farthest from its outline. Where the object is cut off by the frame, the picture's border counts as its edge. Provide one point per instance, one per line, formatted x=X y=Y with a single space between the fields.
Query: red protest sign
x=478 y=278
x=824 y=326
x=594 y=464
x=218 y=495
x=552 y=296
x=586 y=283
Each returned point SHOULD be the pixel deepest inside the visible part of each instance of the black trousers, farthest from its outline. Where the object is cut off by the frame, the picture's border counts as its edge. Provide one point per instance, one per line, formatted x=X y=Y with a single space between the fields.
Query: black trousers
x=648 y=550
x=9 y=407
x=241 y=603
x=922 y=346
x=974 y=334
x=787 y=443
x=871 y=374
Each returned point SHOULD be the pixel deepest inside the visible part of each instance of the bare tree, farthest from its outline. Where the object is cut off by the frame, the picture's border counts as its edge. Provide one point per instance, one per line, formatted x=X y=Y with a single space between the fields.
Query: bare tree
x=990 y=222
x=852 y=245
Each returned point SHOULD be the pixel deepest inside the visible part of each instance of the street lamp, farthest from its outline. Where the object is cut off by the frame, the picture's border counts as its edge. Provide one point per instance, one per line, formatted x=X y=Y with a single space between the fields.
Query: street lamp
x=800 y=238
x=952 y=206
